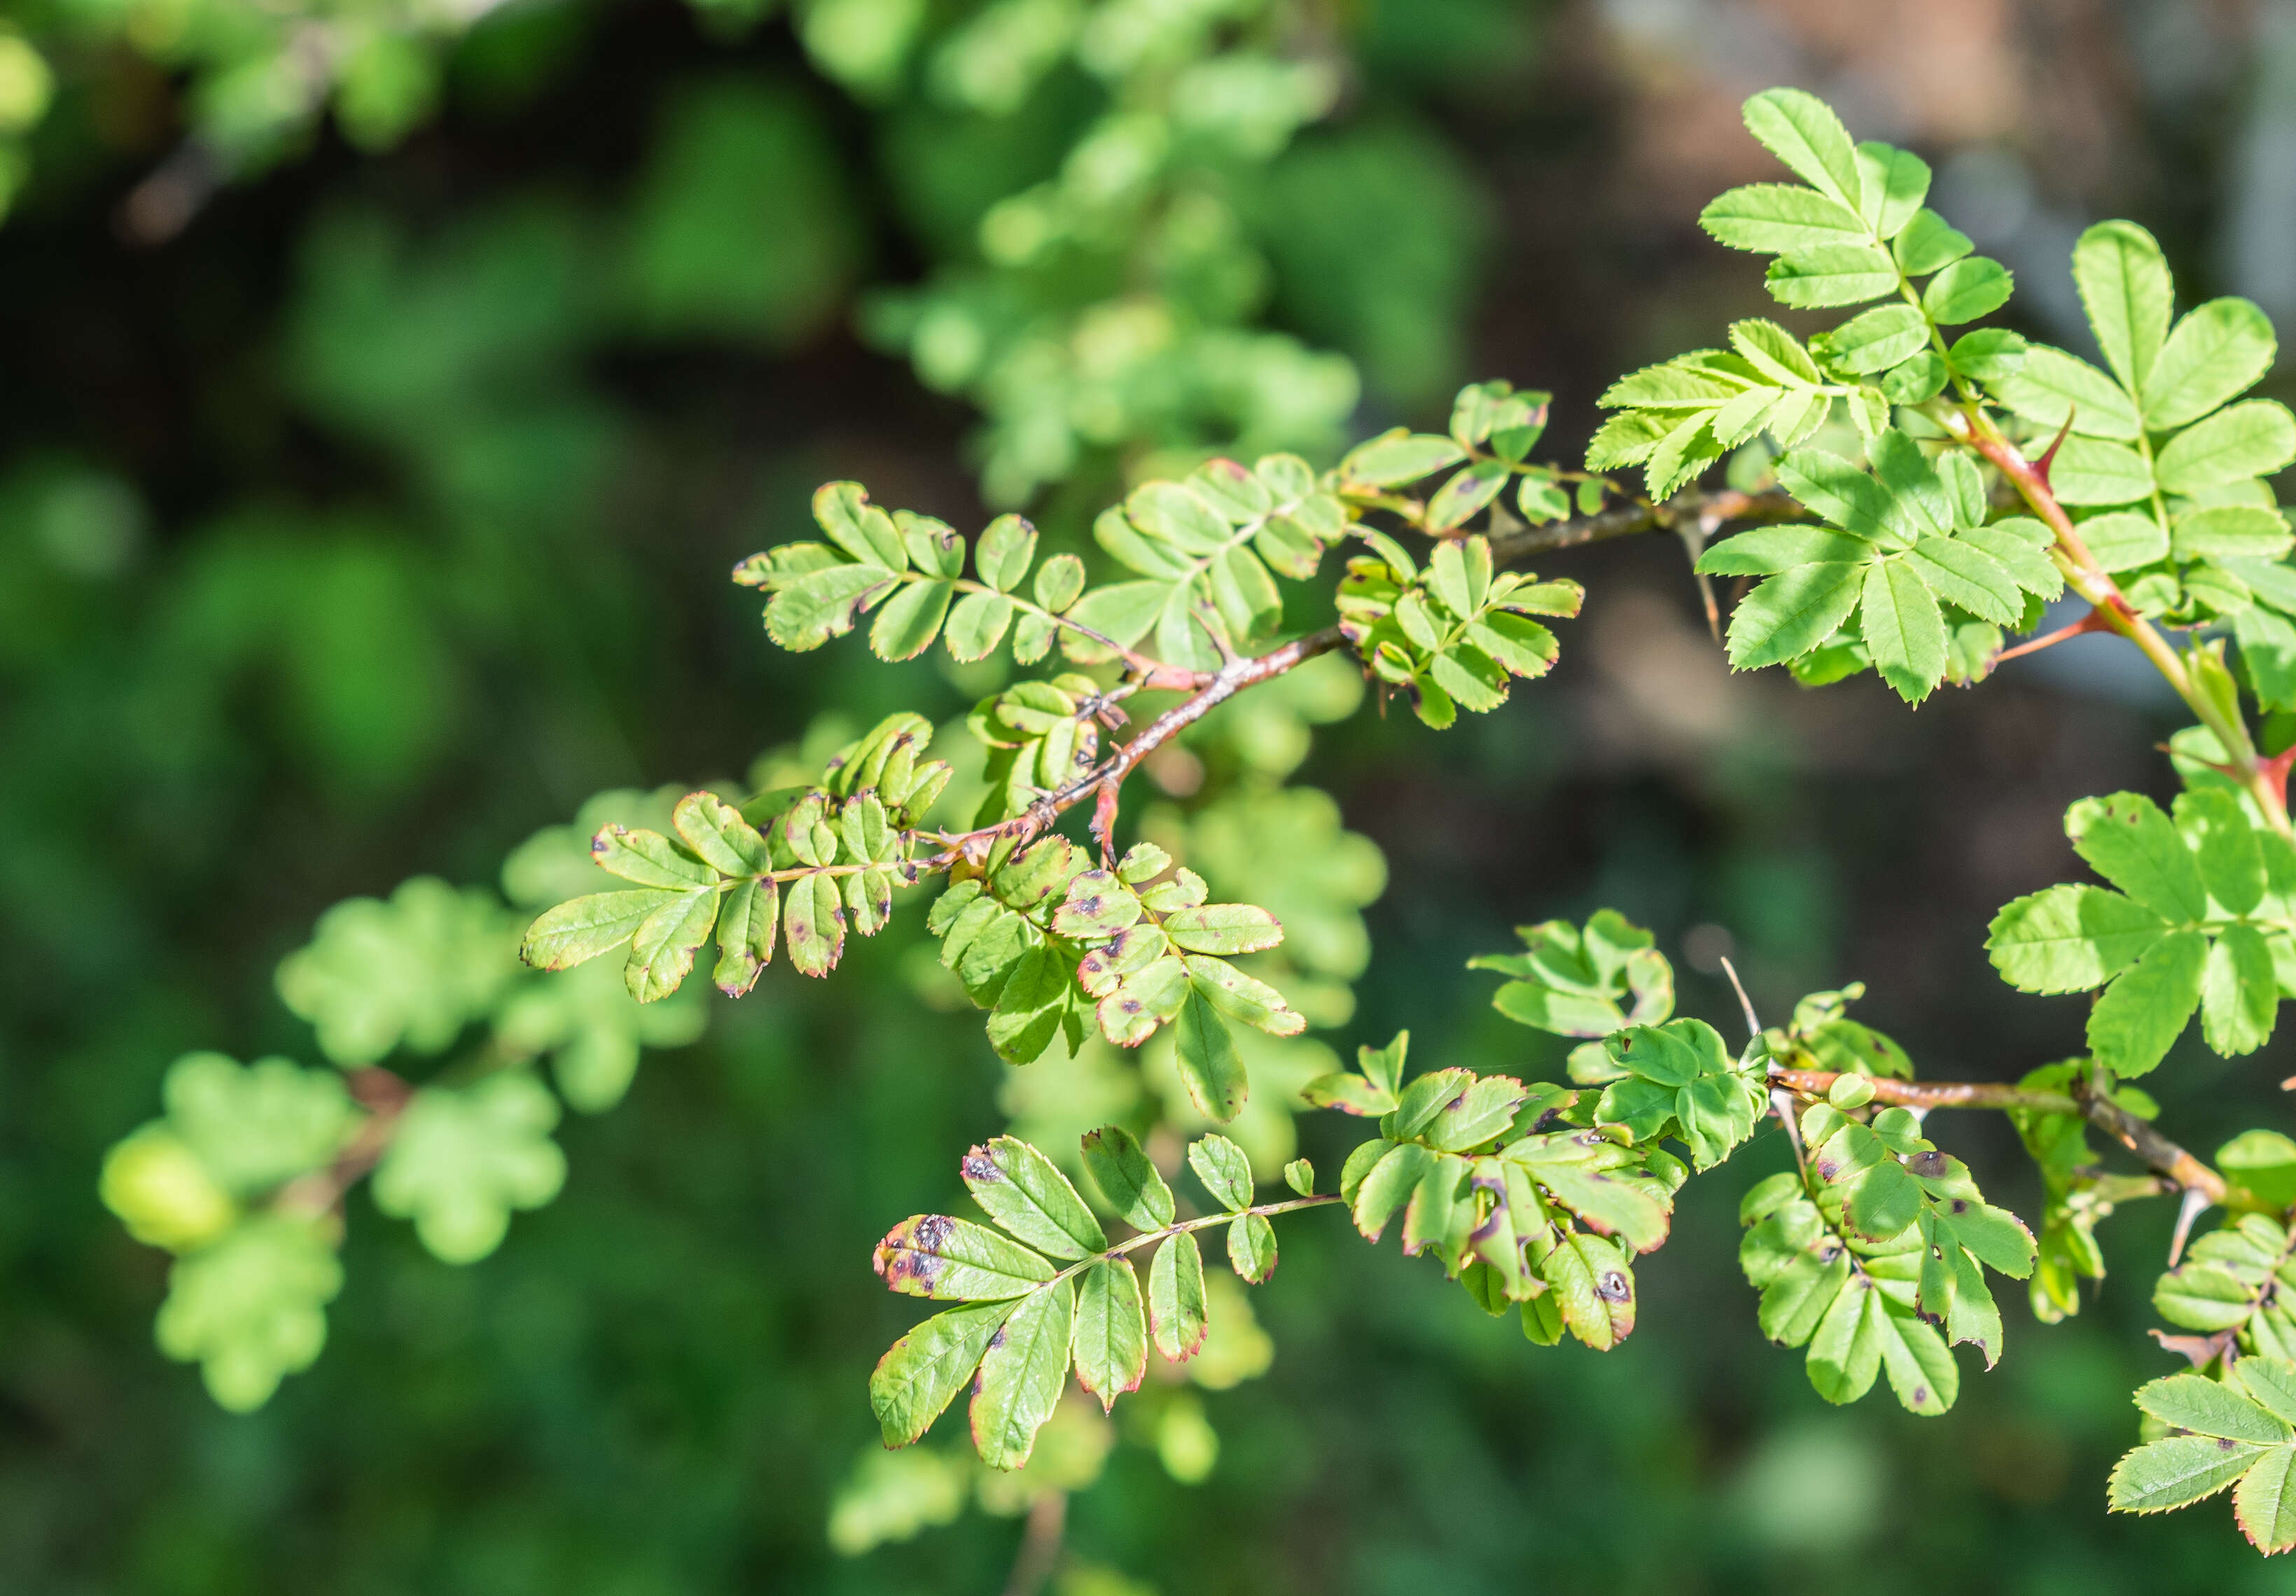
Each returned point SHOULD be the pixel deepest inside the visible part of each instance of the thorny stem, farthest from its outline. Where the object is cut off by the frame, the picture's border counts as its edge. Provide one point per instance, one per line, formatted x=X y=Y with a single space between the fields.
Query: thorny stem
x=2092 y=581
x=2180 y=1168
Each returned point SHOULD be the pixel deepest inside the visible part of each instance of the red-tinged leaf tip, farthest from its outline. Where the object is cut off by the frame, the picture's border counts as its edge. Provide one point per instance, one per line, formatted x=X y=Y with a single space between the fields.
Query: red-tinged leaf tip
x=908 y=1259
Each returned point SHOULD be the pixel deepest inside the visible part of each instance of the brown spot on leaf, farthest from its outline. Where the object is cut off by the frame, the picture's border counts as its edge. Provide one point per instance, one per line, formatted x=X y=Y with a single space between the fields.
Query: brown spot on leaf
x=911 y=1253
x=979 y=1169
x=1611 y=1286
x=2225 y=1444
x=1959 y=1204
x=1827 y=1169
x=1920 y=1395
x=1929 y=1164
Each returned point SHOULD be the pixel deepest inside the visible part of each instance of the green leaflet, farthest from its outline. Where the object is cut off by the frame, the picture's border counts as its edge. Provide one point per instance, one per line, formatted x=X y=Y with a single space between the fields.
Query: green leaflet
x=2069 y=938
x=916 y=1379
x=1791 y=614
x=2215 y=353
x=1251 y=1248
x=2254 y=438
x=1176 y=1299
x=2142 y=1014
x=1928 y=244
x=663 y=946
x=2124 y=285
x=2053 y=387
x=1226 y=1173
x=954 y=1260
x=2240 y=992
x=1125 y=1176
x=1021 y=1374
x=1021 y=1189
x=1893 y=184
x=2173 y=942
x=2128 y=840
x=1971 y=287
x=1591 y=1285
x=1777 y=218
x=1766 y=551
x=1903 y=629
x=1802 y=131
x=1112 y=1332
x=2089 y=471
x=2124 y=540
x=1833 y=274
x=255 y=1128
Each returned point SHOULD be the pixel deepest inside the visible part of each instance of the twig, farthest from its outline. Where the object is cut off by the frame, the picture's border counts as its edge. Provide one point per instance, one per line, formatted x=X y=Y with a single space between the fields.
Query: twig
x=2181 y=1167
x=1933 y=1094
x=1625 y=520
x=2092 y=621
x=1209 y=689
x=1040 y=1544
x=384 y=1095
x=2160 y=1152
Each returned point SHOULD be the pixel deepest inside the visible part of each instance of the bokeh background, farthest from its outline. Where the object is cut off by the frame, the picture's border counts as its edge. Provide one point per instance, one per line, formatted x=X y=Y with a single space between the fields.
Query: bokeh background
x=371 y=475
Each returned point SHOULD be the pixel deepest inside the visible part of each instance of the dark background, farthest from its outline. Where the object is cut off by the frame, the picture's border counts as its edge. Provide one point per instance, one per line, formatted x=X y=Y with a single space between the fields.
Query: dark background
x=380 y=515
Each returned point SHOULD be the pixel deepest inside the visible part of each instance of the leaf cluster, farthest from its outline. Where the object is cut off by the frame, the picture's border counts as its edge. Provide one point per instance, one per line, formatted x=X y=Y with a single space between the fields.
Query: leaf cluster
x=1038 y=938
x=1454 y=635
x=1045 y=1291
x=1510 y=1187
x=2240 y=1431
x=2199 y=917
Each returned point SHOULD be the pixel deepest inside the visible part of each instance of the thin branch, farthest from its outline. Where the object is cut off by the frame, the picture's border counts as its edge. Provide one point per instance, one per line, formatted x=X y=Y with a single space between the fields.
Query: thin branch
x=1040 y=1544
x=1149 y=1238
x=1933 y=1094
x=1224 y=684
x=1209 y=689
x=384 y=1095
x=2094 y=621
x=2162 y=1154
x=1625 y=520
x=2180 y=1168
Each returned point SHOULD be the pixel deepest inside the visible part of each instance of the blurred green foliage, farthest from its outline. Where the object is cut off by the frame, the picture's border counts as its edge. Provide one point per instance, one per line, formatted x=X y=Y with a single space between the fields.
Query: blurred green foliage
x=392 y=526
